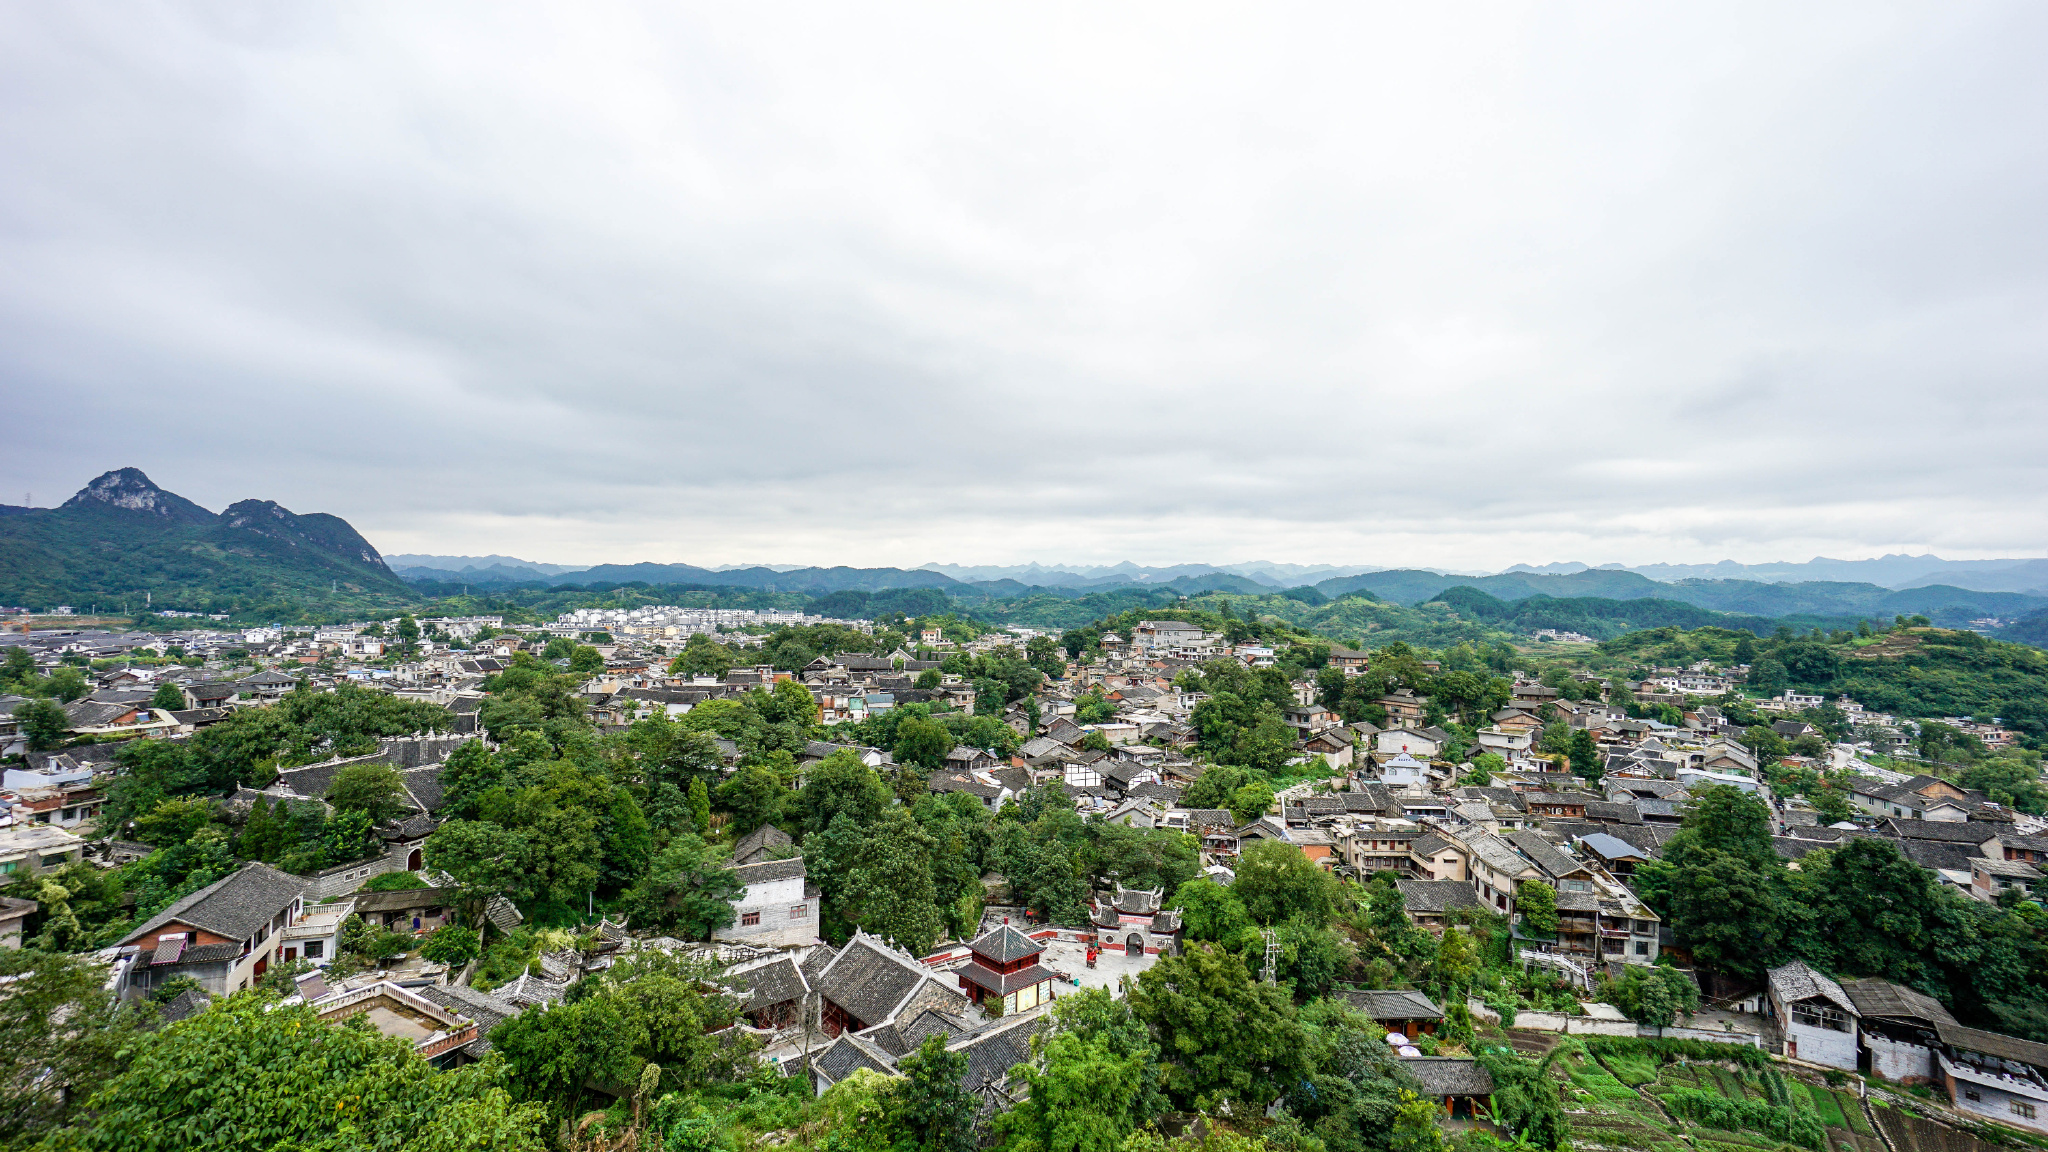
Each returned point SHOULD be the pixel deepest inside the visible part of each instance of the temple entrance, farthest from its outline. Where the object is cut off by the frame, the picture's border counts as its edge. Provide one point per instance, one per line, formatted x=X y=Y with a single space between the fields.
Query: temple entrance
x=1135 y=946
x=413 y=861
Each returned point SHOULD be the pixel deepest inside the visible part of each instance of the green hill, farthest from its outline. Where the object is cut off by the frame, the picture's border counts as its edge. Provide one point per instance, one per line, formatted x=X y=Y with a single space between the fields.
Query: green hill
x=122 y=536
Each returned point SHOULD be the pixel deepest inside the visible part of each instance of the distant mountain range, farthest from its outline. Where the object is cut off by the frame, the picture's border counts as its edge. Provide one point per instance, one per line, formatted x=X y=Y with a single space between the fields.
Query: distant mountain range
x=122 y=543
x=1888 y=572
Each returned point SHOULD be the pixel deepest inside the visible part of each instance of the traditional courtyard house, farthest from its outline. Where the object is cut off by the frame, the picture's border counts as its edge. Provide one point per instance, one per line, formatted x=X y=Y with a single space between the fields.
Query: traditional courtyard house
x=773 y=992
x=435 y=1031
x=226 y=935
x=1462 y=1088
x=1410 y=1013
x=1403 y=706
x=777 y=910
x=1999 y=1077
x=868 y=983
x=1814 y=1017
x=1900 y=1030
x=1417 y=742
x=1003 y=975
x=1434 y=857
x=1432 y=903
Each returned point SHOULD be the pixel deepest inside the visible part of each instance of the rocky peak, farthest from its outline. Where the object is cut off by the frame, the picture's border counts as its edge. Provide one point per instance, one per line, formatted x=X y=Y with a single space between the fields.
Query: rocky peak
x=130 y=490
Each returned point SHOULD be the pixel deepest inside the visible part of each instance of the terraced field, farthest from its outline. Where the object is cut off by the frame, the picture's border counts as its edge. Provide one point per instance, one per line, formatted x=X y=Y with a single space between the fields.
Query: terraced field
x=1616 y=1102
x=1909 y=1132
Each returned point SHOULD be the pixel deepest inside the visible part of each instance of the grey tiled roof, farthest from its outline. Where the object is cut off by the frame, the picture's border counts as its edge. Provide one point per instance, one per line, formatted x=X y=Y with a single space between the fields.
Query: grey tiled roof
x=1543 y=853
x=1005 y=944
x=190 y=1002
x=869 y=980
x=1450 y=1076
x=772 y=983
x=488 y=1011
x=1393 y=1005
x=1798 y=981
x=768 y=870
x=1002 y=983
x=759 y=842
x=1437 y=895
x=992 y=1053
x=234 y=906
x=850 y=1053
x=1884 y=998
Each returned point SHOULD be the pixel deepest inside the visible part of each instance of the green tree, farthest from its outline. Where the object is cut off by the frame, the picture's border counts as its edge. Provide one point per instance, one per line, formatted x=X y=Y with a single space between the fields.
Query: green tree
x=586 y=661
x=43 y=723
x=700 y=807
x=1537 y=902
x=1093 y=1079
x=689 y=889
x=888 y=888
x=927 y=1109
x=375 y=789
x=549 y=1055
x=1213 y=788
x=1484 y=766
x=65 y=1038
x=702 y=656
x=1223 y=1036
x=302 y=1083
x=168 y=696
x=486 y=860
x=1654 y=995
x=450 y=945
x=408 y=632
x=754 y=796
x=1415 y=1127
x=1276 y=882
x=1210 y=911
x=922 y=742
x=841 y=784
x=1585 y=755
x=68 y=684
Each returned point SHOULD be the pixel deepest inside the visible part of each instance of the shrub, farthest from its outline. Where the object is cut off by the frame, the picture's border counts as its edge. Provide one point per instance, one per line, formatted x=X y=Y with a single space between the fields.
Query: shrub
x=1715 y=1111
x=394 y=882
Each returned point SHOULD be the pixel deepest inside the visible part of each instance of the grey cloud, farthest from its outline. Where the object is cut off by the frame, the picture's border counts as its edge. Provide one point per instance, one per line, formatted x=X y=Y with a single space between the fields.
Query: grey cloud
x=1370 y=285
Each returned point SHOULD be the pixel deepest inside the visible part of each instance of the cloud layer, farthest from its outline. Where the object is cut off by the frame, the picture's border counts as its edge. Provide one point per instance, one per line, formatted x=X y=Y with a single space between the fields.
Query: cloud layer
x=1458 y=286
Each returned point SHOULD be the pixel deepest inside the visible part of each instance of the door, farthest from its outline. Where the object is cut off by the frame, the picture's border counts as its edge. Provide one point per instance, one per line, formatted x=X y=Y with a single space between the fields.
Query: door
x=413 y=861
x=1135 y=946
x=291 y=954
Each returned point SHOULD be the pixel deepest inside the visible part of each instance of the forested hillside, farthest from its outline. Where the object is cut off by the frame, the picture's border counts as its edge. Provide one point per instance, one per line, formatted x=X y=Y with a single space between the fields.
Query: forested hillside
x=121 y=537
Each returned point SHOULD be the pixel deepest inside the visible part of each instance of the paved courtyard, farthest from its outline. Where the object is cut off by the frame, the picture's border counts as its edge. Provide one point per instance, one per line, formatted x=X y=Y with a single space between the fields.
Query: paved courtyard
x=1070 y=960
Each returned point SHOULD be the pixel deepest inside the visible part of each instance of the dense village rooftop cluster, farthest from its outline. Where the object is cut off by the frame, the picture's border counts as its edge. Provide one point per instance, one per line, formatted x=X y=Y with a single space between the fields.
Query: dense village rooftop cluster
x=1536 y=791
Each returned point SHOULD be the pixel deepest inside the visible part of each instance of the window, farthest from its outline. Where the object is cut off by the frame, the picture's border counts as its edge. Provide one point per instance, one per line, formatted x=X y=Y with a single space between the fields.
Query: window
x=1642 y=947
x=797 y=913
x=2022 y=1109
x=1971 y=1094
x=750 y=919
x=56 y=861
x=315 y=949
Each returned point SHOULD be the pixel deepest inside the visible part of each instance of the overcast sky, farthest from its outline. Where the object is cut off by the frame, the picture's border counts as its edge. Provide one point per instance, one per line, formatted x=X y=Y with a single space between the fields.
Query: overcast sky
x=1457 y=285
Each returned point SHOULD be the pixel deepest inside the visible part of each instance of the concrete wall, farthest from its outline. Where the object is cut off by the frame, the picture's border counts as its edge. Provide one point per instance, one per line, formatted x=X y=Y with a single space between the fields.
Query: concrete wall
x=777 y=928
x=1993 y=1104
x=1823 y=1046
x=1898 y=1061
x=1709 y=1035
